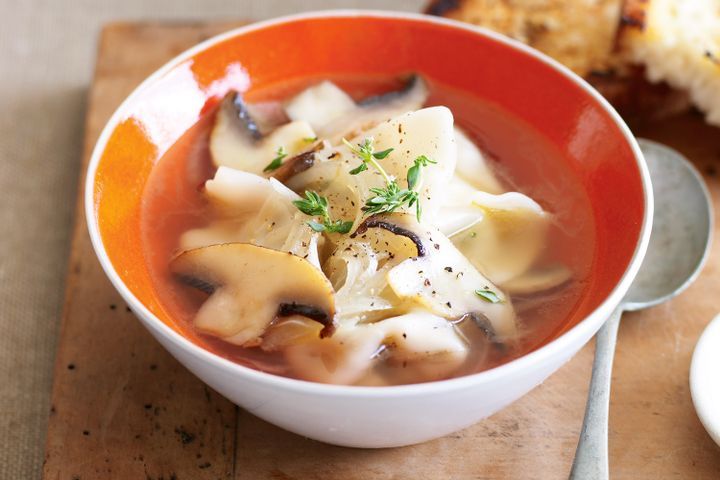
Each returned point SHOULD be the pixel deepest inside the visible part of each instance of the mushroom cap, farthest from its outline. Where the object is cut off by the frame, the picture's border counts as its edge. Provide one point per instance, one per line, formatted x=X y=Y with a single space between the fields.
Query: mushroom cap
x=236 y=141
x=250 y=286
x=333 y=114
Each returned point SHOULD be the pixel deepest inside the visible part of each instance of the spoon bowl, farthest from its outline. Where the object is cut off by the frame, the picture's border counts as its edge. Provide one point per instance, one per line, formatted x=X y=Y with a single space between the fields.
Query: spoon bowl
x=679 y=242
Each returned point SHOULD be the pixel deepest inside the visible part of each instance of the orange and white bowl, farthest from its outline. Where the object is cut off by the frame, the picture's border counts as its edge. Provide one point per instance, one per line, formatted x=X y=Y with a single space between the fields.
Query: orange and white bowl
x=540 y=92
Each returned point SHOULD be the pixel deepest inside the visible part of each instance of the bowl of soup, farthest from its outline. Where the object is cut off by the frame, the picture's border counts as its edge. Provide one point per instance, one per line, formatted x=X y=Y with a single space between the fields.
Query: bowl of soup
x=371 y=229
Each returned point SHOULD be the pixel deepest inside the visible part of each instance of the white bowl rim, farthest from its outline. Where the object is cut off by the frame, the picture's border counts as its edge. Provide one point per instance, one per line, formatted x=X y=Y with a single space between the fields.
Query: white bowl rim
x=584 y=329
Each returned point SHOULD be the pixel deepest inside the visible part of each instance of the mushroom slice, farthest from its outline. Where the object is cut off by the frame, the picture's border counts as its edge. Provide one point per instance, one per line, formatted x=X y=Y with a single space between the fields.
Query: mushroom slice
x=399 y=224
x=333 y=114
x=236 y=140
x=295 y=165
x=250 y=287
x=267 y=115
x=302 y=162
x=441 y=279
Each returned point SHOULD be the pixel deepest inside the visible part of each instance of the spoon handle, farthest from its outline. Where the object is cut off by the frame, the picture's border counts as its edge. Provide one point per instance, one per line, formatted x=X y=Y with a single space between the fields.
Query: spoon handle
x=591 y=456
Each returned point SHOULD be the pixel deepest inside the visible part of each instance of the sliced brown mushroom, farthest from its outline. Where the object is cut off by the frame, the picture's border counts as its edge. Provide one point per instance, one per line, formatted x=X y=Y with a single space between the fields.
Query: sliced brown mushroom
x=333 y=113
x=397 y=224
x=299 y=163
x=441 y=279
x=250 y=287
x=237 y=142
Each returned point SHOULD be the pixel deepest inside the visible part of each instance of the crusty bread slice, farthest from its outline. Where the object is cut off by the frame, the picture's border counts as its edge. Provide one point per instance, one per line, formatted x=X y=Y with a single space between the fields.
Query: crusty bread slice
x=578 y=33
x=678 y=42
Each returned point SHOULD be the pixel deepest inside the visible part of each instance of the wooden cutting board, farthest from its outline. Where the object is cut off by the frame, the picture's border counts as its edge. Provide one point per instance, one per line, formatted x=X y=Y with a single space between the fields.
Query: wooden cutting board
x=123 y=408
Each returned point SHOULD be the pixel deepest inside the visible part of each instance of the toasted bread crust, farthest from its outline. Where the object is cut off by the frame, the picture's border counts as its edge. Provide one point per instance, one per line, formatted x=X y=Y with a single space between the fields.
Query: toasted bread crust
x=634 y=14
x=579 y=34
x=588 y=36
x=678 y=43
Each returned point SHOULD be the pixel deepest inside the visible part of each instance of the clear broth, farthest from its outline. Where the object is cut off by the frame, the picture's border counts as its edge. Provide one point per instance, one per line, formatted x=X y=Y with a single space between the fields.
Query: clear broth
x=523 y=159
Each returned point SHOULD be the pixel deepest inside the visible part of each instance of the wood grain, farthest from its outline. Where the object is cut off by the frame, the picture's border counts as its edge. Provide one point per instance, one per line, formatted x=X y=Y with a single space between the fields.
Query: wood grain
x=123 y=408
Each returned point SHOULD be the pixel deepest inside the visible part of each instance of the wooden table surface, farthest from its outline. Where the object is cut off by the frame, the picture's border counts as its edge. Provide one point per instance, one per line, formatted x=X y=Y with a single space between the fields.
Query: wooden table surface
x=123 y=408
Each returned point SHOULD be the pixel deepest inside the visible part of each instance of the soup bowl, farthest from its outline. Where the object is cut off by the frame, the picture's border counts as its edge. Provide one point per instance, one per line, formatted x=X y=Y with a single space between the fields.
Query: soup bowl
x=521 y=82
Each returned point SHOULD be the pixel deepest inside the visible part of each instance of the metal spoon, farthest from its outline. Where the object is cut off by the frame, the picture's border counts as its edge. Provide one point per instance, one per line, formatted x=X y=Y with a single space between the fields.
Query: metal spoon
x=679 y=244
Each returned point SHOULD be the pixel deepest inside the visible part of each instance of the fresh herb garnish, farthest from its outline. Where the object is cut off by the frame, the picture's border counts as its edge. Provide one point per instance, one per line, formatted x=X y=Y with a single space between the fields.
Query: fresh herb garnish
x=488 y=296
x=365 y=152
x=310 y=139
x=391 y=197
x=413 y=174
x=277 y=161
x=317 y=206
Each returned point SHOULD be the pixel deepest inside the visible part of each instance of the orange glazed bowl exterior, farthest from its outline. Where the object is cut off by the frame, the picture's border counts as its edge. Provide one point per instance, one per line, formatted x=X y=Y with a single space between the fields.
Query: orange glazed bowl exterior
x=546 y=96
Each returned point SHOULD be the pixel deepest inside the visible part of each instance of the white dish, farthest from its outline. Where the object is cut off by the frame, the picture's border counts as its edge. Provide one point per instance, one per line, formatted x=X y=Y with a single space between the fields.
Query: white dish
x=705 y=381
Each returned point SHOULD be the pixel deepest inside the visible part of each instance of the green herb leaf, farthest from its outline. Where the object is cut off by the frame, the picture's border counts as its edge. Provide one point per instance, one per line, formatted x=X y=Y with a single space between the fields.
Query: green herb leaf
x=316 y=205
x=381 y=155
x=413 y=175
x=277 y=161
x=310 y=139
x=312 y=204
x=360 y=168
x=318 y=227
x=424 y=161
x=365 y=151
x=339 y=226
x=488 y=296
x=391 y=197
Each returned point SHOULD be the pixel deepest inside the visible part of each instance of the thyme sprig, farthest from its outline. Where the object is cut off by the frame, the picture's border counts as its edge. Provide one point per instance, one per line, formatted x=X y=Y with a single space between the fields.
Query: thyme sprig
x=317 y=206
x=366 y=152
x=391 y=197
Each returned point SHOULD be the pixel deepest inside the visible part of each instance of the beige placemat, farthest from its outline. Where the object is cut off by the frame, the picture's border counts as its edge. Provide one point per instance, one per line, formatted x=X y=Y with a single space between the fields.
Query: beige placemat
x=46 y=60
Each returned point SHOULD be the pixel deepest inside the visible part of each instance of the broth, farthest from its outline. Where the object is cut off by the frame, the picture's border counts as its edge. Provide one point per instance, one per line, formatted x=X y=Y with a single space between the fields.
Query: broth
x=521 y=157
